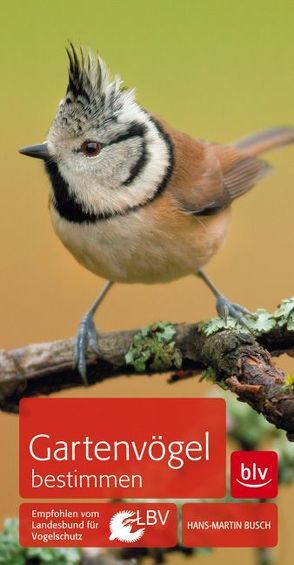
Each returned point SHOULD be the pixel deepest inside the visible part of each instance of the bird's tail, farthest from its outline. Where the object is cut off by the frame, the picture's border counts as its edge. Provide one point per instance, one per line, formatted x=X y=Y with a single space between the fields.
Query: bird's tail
x=265 y=140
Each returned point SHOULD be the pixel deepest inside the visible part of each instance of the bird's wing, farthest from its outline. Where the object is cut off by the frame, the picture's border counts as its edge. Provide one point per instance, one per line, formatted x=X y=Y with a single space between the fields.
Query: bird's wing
x=208 y=177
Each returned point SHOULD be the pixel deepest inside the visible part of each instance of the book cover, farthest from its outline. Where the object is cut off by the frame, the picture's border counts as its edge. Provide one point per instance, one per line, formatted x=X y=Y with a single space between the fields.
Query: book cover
x=147 y=310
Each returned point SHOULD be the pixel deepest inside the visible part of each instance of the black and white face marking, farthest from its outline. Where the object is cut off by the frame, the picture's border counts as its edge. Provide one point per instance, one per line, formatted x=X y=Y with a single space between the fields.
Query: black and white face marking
x=148 y=174
x=104 y=154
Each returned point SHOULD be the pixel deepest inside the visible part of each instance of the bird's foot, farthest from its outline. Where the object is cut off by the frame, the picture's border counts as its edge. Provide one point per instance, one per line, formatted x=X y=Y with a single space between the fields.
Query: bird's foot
x=226 y=308
x=86 y=338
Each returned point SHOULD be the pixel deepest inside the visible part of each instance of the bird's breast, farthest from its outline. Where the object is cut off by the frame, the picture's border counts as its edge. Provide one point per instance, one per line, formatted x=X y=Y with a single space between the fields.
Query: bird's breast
x=152 y=245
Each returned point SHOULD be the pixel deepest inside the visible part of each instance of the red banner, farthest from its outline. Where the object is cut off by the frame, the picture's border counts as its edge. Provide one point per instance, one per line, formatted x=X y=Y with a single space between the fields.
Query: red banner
x=98 y=525
x=118 y=448
x=229 y=525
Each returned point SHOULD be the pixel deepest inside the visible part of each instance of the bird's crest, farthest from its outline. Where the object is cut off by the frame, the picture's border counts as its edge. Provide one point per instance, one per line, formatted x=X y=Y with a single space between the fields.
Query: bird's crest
x=88 y=74
x=91 y=94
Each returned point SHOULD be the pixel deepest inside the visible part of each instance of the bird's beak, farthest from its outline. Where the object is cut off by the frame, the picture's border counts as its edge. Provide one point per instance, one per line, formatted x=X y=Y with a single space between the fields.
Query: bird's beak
x=37 y=151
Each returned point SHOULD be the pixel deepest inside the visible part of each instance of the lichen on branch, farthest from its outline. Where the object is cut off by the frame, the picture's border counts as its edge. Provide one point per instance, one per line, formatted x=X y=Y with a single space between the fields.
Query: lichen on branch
x=154 y=348
x=231 y=356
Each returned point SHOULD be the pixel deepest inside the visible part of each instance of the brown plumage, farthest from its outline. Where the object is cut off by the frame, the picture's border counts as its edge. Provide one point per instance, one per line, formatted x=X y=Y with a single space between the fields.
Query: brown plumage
x=208 y=177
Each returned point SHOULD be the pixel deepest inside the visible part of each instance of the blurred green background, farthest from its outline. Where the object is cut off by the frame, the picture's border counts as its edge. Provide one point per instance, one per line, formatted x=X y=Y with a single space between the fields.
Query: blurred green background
x=215 y=69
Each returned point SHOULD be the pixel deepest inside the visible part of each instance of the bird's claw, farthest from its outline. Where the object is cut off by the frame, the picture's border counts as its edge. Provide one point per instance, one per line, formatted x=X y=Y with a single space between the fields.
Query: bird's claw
x=226 y=308
x=86 y=339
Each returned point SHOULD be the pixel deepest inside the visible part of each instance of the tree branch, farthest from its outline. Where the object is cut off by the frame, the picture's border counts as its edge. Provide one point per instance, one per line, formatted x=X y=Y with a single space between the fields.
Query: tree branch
x=235 y=360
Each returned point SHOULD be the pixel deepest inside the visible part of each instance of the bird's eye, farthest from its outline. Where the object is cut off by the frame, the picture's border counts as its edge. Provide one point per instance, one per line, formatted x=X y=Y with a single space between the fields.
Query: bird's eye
x=91 y=148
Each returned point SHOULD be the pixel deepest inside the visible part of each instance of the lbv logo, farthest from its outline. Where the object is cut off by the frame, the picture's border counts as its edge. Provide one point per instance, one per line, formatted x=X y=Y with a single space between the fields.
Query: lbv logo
x=254 y=474
x=125 y=525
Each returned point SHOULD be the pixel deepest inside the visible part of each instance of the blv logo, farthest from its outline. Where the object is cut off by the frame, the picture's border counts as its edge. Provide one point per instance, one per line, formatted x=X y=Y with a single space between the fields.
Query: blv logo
x=254 y=474
x=252 y=477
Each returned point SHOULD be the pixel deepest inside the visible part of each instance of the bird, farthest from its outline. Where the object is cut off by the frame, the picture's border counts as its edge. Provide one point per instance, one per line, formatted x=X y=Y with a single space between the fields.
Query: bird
x=133 y=199
x=121 y=525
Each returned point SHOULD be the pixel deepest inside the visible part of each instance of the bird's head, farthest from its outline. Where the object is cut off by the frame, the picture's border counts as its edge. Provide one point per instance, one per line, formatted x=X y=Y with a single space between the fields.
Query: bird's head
x=104 y=153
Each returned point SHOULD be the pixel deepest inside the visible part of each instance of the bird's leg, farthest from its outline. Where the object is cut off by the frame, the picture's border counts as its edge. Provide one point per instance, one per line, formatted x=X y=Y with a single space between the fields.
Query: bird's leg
x=224 y=307
x=87 y=334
